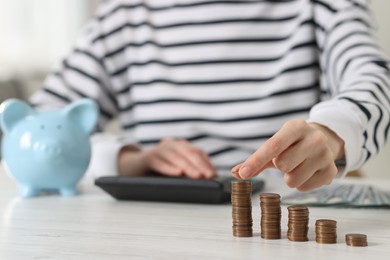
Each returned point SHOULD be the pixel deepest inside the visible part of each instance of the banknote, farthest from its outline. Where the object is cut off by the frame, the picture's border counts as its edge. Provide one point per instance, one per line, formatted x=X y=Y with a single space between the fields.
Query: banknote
x=341 y=195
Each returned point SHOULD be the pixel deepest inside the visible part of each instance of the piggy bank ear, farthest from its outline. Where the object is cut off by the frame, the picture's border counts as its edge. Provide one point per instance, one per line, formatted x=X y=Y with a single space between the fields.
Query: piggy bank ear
x=84 y=113
x=11 y=112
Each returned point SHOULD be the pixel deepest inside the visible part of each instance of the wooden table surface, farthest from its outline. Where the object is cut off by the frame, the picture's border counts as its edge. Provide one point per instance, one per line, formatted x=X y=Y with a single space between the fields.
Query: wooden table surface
x=95 y=226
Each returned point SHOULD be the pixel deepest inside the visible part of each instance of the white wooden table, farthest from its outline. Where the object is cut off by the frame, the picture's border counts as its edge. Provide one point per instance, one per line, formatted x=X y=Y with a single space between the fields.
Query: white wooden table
x=95 y=226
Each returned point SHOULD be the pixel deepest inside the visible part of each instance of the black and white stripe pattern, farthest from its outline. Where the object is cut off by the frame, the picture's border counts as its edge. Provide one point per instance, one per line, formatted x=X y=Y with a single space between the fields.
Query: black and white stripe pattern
x=226 y=75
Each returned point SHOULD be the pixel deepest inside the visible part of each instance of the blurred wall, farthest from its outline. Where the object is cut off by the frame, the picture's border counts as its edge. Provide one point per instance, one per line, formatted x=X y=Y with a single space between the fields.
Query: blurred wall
x=379 y=166
x=36 y=32
x=380 y=9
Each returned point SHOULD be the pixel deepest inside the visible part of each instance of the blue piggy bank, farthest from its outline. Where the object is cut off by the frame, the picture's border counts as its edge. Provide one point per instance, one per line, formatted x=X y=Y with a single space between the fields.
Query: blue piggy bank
x=47 y=150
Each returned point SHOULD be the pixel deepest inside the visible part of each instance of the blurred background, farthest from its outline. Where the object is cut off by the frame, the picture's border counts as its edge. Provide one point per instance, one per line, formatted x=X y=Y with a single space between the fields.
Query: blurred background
x=36 y=34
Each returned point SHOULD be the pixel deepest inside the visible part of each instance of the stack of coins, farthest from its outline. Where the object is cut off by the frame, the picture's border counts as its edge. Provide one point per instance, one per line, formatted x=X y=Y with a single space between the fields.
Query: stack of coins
x=242 y=208
x=298 y=221
x=356 y=239
x=270 y=216
x=326 y=231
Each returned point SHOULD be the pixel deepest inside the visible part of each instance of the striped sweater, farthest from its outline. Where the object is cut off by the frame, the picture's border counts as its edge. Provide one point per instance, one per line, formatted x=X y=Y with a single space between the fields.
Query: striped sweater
x=226 y=75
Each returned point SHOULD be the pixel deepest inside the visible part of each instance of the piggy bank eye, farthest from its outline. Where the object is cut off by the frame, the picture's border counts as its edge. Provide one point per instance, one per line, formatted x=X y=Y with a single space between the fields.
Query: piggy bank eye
x=42 y=127
x=59 y=127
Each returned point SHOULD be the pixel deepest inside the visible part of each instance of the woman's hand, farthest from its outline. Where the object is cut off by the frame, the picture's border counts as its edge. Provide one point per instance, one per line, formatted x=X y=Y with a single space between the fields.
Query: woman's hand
x=304 y=152
x=170 y=157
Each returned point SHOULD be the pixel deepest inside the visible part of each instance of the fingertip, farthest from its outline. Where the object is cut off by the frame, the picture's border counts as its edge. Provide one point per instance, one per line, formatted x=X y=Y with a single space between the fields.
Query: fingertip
x=303 y=189
x=213 y=174
x=210 y=177
x=235 y=171
x=245 y=172
x=176 y=173
x=206 y=175
x=236 y=175
x=172 y=173
x=198 y=175
x=209 y=174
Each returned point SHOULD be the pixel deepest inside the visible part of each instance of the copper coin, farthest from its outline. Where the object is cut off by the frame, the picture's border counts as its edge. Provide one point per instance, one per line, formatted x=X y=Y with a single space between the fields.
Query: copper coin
x=356 y=240
x=326 y=222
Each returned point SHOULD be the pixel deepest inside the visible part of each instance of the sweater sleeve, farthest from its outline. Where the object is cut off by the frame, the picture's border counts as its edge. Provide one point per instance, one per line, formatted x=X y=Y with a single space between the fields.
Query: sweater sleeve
x=355 y=79
x=82 y=74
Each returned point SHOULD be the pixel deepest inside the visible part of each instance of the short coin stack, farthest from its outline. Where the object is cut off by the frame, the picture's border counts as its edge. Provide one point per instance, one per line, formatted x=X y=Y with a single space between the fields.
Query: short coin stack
x=298 y=221
x=356 y=240
x=242 y=208
x=271 y=214
x=326 y=231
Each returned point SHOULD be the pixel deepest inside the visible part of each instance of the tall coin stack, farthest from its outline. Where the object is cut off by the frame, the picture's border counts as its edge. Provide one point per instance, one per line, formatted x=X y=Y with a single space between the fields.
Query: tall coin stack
x=326 y=231
x=242 y=208
x=271 y=214
x=298 y=221
x=356 y=240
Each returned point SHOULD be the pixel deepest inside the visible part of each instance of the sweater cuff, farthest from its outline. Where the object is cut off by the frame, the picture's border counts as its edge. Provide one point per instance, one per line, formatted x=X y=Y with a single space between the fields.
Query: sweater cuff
x=339 y=118
x=104 y=156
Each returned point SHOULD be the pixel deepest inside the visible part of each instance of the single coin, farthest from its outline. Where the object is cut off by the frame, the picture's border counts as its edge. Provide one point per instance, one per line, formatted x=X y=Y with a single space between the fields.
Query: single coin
x=326 y=222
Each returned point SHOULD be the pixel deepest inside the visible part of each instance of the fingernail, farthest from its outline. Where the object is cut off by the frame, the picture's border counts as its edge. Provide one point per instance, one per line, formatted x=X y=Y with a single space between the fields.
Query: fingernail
x=244 y=172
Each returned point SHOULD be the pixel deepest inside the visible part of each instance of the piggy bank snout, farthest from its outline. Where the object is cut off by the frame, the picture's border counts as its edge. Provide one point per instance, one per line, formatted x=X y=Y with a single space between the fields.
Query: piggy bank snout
x=49 y=147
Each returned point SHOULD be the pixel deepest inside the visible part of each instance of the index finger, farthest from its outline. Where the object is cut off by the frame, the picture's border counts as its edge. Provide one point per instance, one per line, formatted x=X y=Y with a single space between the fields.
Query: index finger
x=289 y=134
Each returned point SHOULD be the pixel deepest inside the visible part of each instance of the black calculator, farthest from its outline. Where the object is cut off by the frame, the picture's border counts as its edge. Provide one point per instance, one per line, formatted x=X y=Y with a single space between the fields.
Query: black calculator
x=171 y=189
